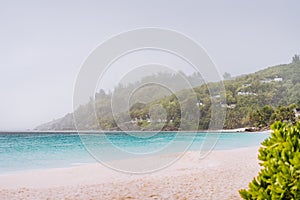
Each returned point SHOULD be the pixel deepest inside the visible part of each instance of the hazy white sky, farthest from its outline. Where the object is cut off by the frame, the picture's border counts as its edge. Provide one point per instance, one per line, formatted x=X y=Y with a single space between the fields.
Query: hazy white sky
x=44 y=43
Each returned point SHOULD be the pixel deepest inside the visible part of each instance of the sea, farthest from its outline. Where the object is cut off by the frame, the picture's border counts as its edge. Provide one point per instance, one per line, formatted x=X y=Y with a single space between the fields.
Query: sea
x=23 y=151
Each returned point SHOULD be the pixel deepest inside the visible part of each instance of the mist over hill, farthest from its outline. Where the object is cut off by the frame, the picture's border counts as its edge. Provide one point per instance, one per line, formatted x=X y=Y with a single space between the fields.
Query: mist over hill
x=254 y=99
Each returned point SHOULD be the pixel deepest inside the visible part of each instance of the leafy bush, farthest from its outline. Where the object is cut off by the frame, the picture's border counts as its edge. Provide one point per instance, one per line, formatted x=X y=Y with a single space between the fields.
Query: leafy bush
x=279 y=177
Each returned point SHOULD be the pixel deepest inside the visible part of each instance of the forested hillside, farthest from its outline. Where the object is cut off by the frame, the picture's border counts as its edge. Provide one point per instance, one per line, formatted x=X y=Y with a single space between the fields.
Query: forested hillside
x=255 y=99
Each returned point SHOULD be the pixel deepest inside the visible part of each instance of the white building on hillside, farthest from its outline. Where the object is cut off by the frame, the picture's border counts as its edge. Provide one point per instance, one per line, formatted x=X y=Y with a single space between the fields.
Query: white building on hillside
x=246 y=93
x=269 y=80
x=278 y=79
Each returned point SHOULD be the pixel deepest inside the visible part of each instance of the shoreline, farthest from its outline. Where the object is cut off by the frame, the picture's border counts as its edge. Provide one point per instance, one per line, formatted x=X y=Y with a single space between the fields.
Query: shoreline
x=95 y=162
x=222 y=173
x=237 y=130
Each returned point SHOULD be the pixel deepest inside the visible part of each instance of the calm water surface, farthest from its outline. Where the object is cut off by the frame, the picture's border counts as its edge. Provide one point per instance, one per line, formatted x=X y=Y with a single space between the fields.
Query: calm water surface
x=25 y=151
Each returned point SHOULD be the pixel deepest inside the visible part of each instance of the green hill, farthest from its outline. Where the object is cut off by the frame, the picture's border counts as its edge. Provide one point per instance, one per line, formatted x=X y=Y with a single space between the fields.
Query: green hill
x=251 y=100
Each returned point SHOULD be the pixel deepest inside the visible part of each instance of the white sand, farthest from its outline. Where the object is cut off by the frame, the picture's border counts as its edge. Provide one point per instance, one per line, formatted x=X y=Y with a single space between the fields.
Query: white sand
x=218 y=176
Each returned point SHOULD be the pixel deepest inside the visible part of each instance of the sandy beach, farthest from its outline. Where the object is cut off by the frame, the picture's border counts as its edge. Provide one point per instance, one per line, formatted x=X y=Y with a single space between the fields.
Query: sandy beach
x=218 y=176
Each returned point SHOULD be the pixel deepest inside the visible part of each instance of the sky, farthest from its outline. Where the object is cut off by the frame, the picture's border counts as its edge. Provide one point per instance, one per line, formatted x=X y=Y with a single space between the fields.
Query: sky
x=44 y=43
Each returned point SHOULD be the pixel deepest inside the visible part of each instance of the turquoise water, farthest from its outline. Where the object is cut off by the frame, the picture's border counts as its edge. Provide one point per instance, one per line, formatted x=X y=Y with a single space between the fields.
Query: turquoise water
x=25 y=151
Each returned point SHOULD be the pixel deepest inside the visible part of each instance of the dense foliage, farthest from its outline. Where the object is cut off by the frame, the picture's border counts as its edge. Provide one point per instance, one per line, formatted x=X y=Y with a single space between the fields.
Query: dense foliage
x=267 y=115
x=280 y=158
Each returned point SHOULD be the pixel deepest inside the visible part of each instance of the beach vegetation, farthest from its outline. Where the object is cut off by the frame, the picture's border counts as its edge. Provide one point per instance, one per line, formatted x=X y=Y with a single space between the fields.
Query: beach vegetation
x=279 y=157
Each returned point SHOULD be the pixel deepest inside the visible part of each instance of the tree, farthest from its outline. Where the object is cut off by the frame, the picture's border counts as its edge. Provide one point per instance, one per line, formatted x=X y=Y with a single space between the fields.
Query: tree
x=100 y=94
x=279 y=177
x=226 y=76
x=261 y=117
x=284 y=114
x=296 y=58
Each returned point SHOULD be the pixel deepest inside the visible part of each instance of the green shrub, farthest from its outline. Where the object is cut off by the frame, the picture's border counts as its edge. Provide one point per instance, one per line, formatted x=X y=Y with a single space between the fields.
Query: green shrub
x=279 y=177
